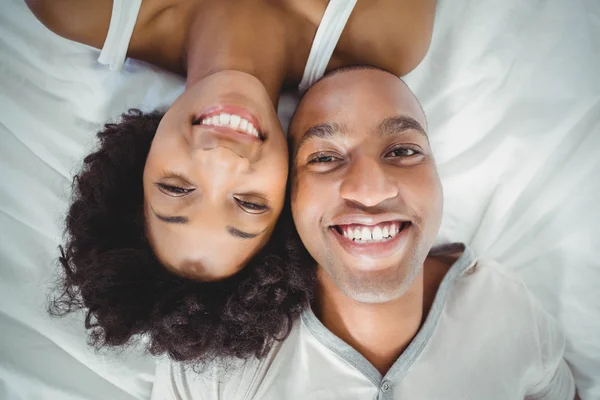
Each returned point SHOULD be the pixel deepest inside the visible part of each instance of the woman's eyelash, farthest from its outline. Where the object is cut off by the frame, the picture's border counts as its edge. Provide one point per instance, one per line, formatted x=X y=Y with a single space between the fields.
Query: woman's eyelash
x=175 y=189
x=252 y=206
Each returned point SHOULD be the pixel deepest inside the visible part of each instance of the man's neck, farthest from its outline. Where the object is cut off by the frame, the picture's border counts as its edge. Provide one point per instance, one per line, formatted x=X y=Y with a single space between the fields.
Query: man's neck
x=379 y=331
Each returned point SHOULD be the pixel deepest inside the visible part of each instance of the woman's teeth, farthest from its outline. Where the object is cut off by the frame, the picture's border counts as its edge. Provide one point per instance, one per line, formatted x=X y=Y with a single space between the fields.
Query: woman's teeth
x=232 y=121
x=366 y=234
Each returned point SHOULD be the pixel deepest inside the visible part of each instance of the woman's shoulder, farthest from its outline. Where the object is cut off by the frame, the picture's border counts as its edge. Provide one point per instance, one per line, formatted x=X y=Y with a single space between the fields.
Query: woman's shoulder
x=160 y=25
x=391 y=34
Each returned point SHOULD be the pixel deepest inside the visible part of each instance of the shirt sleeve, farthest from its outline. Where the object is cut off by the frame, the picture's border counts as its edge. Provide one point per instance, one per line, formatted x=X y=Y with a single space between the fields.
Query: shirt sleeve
x=176 y=381
x=217 y=381
x=167 y=383
x=555 y=380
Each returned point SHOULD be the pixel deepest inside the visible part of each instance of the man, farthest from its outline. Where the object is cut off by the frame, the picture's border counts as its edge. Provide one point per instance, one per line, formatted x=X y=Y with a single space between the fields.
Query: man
x=392 y=318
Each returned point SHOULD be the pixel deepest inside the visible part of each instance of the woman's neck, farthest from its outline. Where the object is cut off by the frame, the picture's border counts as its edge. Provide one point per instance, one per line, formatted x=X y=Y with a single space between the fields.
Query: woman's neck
x=265 y=42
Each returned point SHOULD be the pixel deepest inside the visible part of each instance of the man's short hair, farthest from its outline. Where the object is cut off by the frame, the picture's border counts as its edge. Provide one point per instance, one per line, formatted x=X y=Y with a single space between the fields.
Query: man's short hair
x=349 y=68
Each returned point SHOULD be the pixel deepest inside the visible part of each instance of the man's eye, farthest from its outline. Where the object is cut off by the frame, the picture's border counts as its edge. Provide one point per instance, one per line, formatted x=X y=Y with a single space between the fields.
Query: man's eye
x=252 y=208
x=402 y=152
x=322 y=159
x=174 y=191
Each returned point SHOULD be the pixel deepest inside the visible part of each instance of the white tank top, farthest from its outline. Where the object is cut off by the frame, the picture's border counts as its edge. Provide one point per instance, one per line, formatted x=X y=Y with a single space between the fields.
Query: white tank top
x=125 y=12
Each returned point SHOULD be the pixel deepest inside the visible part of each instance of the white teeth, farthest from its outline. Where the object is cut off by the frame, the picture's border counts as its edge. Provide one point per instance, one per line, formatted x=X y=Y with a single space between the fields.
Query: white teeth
x=385 y=232
x=365 y=234
x=224 y=119
x=234 y=121
x=377 y=233
x=350 y=234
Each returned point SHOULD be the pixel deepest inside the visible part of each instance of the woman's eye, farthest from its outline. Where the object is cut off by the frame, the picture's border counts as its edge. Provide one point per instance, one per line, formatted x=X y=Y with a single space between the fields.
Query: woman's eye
x=402 y=152
x=253 y=208
x=322 y=159
x=175 y=191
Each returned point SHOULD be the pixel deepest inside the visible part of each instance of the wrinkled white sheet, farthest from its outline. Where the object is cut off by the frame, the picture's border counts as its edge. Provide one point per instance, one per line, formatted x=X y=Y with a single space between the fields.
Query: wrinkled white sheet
x=512 y=92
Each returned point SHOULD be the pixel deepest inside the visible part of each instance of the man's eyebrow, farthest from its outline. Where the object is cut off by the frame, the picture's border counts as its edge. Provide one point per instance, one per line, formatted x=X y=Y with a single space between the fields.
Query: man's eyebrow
x=177 y=219
x=399 y=124
x=241 y=234
x=325 y=130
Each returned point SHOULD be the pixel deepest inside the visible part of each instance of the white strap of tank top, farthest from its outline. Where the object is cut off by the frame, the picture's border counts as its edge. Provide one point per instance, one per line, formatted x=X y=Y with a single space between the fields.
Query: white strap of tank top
x=328 y=34
x=122 y=20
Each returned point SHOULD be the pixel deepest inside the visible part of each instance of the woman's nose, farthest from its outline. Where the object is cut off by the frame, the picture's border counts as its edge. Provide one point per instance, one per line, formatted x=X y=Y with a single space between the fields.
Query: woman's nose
x=222 y=160
x=218 y=170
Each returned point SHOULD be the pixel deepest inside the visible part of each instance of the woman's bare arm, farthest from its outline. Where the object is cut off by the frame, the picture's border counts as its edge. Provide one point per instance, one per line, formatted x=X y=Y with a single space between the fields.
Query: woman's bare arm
x=81 y=21
x=157 y=38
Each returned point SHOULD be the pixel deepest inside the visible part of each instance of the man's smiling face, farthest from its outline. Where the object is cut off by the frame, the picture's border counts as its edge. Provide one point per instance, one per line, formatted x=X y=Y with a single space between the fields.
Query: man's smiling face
x=366 y=195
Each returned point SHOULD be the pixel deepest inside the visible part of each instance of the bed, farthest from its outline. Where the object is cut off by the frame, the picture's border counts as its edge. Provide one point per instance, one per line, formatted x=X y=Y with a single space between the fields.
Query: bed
x=512 y=94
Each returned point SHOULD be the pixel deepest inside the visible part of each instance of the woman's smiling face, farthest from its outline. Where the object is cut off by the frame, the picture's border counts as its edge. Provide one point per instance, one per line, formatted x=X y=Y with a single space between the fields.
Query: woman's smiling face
x=215 y=177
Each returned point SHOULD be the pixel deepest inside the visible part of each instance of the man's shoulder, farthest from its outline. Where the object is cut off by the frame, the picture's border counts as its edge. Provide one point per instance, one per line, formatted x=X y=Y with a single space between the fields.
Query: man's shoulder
x=468 y=271
x=488 y=271
x=486 y=284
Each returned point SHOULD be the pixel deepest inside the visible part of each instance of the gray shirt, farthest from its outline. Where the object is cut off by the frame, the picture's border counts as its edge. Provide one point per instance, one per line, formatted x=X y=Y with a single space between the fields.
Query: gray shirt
x=485 y=337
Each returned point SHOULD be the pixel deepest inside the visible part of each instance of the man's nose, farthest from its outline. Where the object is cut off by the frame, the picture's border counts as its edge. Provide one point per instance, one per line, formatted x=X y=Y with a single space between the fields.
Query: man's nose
x=366 y=183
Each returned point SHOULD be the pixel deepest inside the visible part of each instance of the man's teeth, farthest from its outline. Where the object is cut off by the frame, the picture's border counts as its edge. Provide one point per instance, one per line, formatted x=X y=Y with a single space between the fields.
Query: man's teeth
x=232 y=121
x=377 y=233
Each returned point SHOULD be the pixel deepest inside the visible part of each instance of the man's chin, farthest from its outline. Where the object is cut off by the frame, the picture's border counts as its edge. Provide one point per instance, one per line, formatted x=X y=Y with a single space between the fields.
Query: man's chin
x=375 y=285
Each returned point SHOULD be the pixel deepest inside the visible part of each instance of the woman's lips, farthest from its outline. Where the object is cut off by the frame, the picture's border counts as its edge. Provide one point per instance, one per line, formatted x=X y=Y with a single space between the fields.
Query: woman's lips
x=232 y=118
x=369 y=241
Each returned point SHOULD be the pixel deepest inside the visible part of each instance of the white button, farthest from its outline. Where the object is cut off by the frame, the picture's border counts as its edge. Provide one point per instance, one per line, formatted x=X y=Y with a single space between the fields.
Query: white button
x=385 y=386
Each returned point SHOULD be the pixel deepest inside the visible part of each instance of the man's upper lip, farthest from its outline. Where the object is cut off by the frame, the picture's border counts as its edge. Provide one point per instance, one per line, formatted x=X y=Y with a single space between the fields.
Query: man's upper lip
x=367 y=219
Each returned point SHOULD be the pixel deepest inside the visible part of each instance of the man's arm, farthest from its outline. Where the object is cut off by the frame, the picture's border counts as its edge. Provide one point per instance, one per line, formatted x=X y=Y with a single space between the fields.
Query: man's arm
x=555 y=380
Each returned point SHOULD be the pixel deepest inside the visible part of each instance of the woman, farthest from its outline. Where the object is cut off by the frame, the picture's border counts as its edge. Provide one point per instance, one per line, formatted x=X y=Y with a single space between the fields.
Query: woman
x=171 y=207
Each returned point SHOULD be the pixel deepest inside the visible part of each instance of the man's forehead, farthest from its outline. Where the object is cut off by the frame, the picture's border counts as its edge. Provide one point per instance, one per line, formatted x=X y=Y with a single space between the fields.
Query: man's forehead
x=353 y=94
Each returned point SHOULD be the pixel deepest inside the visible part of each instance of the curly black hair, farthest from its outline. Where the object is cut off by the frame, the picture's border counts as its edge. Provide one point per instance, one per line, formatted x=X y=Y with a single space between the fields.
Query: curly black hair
x=110 y=270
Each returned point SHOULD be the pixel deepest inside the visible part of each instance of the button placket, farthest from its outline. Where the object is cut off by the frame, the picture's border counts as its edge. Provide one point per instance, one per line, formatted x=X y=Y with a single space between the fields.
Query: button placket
x=385 y=386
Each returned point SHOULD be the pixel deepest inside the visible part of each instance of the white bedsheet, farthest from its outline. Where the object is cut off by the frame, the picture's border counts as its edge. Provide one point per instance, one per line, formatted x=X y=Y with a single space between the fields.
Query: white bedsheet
x=512 y=93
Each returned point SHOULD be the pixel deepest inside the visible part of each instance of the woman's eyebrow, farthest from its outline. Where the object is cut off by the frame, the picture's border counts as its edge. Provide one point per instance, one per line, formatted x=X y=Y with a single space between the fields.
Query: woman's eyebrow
x=241 y=234
x=177 y=219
